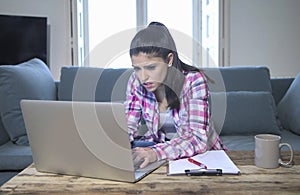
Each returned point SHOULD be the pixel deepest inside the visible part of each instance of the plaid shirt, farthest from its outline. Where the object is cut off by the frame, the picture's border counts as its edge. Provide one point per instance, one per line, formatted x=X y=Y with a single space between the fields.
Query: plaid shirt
x=191 y=119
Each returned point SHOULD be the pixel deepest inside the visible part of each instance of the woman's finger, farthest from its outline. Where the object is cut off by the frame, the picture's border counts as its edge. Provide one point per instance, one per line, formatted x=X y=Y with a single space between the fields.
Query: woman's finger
x=145 y=163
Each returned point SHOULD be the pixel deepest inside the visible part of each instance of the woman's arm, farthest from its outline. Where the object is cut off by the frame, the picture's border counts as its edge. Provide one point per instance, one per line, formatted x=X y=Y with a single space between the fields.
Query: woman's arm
x=193 y=121
x=132 y=107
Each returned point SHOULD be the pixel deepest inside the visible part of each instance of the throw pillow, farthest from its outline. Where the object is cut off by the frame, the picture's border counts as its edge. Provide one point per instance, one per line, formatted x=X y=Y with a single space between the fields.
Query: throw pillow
x=289 y=107
x=28 y=80
x=245 y=113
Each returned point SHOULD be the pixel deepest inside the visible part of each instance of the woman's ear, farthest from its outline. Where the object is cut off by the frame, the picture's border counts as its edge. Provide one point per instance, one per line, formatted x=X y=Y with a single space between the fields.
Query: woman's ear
x=170 y=59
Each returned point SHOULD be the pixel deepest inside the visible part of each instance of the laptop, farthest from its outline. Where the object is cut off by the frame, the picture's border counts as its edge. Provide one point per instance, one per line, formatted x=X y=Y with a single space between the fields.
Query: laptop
x=81 y=138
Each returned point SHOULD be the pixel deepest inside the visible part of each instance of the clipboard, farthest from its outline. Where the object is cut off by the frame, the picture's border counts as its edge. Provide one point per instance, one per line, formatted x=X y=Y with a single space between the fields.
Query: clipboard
x=213 y=159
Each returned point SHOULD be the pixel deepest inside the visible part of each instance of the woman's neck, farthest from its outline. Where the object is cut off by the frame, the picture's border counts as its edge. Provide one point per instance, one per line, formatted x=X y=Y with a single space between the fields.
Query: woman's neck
x=161 y=98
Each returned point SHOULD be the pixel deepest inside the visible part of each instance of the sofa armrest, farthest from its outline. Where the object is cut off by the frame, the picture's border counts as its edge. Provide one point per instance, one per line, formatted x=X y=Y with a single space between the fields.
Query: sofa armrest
x=280 y=87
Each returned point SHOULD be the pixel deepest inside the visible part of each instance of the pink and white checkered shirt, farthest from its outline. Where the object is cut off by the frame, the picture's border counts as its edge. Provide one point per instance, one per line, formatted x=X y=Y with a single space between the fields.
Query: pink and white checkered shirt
x=194 y=134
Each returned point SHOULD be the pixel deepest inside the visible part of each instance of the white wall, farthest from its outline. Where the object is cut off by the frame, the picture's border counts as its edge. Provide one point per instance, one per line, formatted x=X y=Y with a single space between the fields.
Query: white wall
x=266 y=32
x=57 y=12
x=262 y=32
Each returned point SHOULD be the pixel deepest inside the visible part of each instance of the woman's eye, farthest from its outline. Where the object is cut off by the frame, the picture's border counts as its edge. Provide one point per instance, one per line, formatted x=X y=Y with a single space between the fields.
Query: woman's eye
x=152 y=67
x=136 y=68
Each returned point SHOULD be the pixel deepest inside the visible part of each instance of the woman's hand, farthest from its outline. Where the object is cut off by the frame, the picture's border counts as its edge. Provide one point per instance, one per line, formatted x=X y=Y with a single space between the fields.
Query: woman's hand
x=143 y=156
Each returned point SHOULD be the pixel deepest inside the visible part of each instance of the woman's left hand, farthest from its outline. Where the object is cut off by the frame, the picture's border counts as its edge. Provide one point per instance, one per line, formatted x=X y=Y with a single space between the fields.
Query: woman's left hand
x=143 y=156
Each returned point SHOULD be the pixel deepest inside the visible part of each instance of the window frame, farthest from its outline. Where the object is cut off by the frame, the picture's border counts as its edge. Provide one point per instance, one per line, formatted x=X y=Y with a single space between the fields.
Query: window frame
x=80 y=45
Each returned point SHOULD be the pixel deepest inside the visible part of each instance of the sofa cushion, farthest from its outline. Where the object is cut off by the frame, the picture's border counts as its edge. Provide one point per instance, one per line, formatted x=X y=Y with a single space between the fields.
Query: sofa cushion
x=243 y=78
x=28 y=80
x=247 y=142
x=93 y=84
x=289 y=107
x=14 y=157
x=239 y=142
x=244 y=113
x=7 y=175
x=3 y=134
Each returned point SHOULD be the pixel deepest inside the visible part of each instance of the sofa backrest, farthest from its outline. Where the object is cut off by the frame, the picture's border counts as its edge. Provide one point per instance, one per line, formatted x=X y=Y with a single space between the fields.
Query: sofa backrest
x=93 y=84
x=242 y=101
x=243 y=78
x=99 y=84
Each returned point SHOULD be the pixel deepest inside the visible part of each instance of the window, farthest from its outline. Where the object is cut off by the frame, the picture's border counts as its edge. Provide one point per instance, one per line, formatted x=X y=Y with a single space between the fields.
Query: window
x=111 y=27
x=107 y=19
x=210 y=32
x=177 y=16
x=207 y=26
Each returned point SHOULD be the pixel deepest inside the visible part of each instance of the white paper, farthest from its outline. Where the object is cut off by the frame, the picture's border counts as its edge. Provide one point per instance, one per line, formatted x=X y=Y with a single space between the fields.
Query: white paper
x=213 y=159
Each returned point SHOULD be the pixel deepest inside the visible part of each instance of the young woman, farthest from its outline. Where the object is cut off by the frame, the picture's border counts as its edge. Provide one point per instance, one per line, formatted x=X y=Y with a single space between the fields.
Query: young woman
x=170 y=96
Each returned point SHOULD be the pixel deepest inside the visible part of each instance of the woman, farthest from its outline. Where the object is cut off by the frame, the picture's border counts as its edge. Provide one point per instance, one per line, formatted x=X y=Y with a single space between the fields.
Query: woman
x=170 y=96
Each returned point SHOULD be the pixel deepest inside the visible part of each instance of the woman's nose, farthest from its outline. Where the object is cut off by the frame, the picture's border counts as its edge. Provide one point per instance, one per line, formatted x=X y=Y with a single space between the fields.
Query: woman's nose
x=144 y=75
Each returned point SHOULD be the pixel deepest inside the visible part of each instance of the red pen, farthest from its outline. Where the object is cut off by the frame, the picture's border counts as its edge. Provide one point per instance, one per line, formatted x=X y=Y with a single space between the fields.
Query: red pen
x=203 y=166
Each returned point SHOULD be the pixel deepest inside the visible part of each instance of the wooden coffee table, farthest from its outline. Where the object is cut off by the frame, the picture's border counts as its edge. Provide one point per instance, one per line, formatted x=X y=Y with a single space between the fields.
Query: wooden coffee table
x=253 y=180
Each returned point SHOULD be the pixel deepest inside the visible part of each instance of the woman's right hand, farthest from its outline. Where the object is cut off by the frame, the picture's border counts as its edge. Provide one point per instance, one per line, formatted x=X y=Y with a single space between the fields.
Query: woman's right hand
x=143 y=156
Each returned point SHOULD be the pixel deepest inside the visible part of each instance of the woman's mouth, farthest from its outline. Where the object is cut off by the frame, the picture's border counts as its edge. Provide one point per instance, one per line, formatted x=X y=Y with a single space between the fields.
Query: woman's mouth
x=148 y=85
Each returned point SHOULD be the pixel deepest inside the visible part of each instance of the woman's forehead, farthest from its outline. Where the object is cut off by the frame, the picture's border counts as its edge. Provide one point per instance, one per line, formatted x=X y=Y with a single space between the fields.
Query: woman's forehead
x=145 y=59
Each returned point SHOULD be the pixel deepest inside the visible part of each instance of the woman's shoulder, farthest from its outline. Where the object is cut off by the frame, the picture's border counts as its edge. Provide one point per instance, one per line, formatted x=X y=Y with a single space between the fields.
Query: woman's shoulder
x=134 y=85
x=195 y=83
x=195 y=76
x=133 y=80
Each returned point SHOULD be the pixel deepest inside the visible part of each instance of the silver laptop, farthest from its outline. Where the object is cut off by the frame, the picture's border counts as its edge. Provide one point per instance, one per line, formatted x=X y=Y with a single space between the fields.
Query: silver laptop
x=81 y=138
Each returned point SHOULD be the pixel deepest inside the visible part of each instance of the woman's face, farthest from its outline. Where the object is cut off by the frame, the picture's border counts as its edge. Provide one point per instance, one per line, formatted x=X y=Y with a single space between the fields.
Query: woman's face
x=151 y=71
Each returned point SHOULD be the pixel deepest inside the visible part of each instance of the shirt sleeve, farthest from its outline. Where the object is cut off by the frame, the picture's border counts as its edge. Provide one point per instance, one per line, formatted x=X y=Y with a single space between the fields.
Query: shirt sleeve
x=132 y=107
x=193 y=121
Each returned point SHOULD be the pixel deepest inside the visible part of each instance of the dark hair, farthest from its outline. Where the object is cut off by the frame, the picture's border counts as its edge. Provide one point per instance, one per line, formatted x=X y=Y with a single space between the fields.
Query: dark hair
x=156 y=40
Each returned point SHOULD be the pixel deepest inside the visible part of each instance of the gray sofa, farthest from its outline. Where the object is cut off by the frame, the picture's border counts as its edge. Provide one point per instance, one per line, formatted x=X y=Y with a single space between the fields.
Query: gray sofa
x=251 y=100
x=28 y=80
